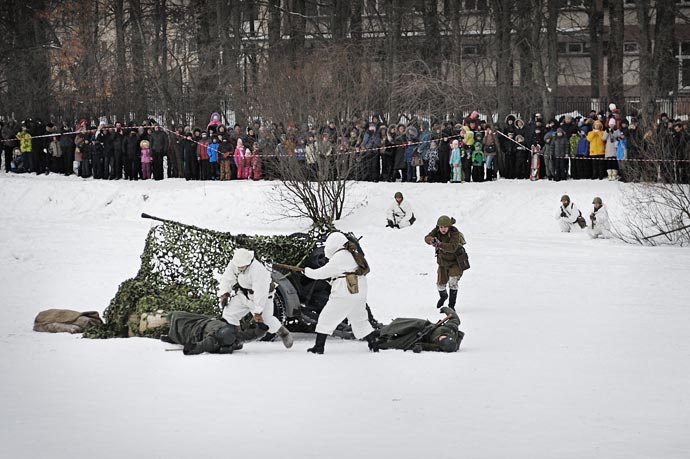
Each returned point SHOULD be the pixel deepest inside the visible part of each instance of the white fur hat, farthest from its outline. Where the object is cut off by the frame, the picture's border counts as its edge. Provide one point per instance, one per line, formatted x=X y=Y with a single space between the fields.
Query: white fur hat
x=242 y=257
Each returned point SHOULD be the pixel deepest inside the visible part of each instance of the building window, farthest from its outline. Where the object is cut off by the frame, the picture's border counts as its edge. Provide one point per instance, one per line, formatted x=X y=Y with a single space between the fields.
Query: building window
x=683 y=56
x=373 y=7
x=470 y=50
x=324 y=8
x=631 y=47
x=574 y=48
x=567 y=4
x=475 y=5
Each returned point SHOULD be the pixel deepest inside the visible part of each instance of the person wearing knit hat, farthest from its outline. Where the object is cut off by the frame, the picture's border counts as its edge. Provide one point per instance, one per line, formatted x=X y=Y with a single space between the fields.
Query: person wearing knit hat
x=569 y=216
x=400 y=214
x=448 y=243
x=601 y=225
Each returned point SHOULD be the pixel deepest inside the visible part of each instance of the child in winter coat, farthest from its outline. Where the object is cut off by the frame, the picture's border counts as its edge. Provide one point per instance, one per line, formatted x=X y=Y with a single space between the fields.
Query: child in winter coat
x=548 y=155
x=239 y=159
x=256 y=163
x=145 y=159
x=478 y=162
x=455 y=162
x=224 y=154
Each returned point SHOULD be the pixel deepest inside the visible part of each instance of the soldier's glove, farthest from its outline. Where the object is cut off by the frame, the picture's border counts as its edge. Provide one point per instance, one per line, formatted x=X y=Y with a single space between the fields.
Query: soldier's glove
x=224 y=299
x=563 y=214
x=417 y=348
x=592 y=216
x=192 y=349
x=436 y=243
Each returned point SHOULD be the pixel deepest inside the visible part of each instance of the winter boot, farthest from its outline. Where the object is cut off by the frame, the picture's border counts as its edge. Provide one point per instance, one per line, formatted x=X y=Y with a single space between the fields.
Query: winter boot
x=444 y=296
x=320 y=343
x=452 y=298
x=373 y=341
x=285 y=337
x=610 y=173
x=614 y=174
x=166 y=339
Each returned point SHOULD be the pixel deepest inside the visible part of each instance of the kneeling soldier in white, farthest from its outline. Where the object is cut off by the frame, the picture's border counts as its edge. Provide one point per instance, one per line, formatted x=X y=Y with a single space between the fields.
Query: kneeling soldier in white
x=400 y=214
x=252 y=282
x=601 y=226
x=344 y=301
x=568 y=215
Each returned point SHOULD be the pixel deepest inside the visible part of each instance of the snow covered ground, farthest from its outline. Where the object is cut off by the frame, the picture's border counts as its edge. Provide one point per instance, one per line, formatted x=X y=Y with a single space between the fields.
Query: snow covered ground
x=574 y=348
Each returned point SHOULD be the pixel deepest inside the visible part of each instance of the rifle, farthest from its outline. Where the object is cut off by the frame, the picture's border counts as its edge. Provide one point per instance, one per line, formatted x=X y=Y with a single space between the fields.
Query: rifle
x=288 y=267
x=426 y=331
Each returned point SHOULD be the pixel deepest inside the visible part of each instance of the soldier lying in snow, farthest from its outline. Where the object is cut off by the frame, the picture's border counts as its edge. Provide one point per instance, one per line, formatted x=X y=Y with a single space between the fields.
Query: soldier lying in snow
x=199 y=333
x=405 y=334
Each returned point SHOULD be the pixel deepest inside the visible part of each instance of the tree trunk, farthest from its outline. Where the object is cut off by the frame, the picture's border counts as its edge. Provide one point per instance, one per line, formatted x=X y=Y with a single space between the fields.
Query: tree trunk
x=596 y=26
x=140 y=107
x=503 y=12
x=121 y=101
x=614 y=59
x=27 y=70
x=655 y=46
x=551 y=88
x=298 y=31
x=392 y=44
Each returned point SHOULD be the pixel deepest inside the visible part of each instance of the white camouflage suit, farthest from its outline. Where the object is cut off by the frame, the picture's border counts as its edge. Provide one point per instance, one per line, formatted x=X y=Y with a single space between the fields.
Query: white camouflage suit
x=400 y=214
x=341 y=303
x=568 y=222
x=257 y=279
x=601 y=225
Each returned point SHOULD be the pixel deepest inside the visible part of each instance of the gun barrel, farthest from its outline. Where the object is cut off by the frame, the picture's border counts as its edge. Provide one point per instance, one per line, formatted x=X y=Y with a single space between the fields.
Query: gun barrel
x=290 y=267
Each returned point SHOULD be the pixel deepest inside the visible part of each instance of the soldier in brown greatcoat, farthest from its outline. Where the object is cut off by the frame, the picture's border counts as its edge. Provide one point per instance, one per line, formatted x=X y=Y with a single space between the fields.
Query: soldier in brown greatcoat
x=447 y=240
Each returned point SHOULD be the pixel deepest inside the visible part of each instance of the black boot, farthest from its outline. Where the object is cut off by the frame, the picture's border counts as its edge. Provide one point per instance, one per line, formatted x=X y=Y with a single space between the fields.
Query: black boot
x=320 y=343
x=444 y=296
x=373 y=341
x=452 y=298
x=166 y=339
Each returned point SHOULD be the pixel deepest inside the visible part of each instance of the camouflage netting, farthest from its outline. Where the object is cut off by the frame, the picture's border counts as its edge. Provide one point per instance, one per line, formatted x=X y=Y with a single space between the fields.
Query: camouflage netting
x=178 y=272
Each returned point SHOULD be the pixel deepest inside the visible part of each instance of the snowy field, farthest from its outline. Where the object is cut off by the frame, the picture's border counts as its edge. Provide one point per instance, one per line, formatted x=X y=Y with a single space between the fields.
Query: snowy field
x=574 y=348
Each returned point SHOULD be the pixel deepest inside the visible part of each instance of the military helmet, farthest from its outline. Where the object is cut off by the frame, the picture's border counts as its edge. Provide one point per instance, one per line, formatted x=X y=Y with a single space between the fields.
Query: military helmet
x=398 y=195
x=226 y=335
x=597 y=200
x=447 y=345
x=565 y=197
x=444 y=220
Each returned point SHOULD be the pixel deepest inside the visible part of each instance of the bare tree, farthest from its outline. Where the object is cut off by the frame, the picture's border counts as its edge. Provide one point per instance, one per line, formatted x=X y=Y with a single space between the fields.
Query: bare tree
x=614 y=58
x=596 y=29
x=315 y=191
x=657 y=213
x=656 y=50
x=502 y=13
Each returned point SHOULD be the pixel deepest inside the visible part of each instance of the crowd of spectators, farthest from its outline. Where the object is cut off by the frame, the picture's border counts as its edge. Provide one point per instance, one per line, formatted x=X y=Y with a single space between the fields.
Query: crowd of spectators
x=417 y=150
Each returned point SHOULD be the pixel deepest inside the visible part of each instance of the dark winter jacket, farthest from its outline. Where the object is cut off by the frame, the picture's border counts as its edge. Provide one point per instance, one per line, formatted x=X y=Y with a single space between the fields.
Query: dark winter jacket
x=561 y=146
x=159 y=141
